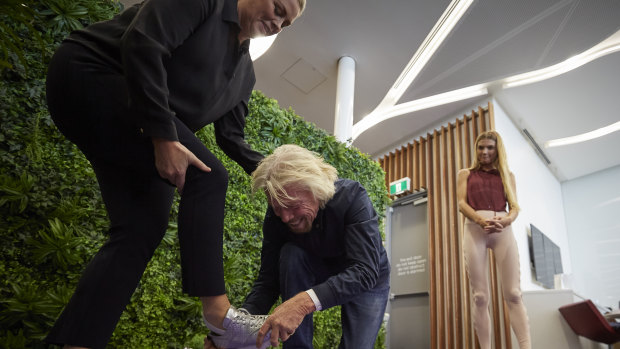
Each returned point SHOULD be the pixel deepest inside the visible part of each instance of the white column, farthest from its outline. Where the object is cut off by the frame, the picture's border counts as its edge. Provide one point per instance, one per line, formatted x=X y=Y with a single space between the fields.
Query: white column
x=345 y=92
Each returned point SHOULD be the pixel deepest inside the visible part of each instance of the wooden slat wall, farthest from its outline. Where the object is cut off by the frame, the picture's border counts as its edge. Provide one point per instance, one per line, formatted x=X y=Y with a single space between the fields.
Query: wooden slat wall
x=432 y=163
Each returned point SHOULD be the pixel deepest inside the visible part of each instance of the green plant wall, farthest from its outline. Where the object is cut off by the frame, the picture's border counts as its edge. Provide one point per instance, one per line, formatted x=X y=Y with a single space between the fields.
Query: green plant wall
x=52 y=218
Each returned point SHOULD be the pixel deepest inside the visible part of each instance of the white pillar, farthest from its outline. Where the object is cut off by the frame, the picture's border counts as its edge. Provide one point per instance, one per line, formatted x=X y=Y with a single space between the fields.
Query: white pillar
x=345 y=91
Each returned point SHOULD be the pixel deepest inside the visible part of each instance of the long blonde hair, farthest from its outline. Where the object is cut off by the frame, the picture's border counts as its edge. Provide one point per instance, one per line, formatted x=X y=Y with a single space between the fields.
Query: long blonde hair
x=501 y=163
x=302 y=6
x=293 y=165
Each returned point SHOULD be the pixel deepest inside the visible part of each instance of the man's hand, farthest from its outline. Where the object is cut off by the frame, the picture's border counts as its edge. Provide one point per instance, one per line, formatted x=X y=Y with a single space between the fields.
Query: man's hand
x=172 y=160
x=286 y=318
x=209 y=344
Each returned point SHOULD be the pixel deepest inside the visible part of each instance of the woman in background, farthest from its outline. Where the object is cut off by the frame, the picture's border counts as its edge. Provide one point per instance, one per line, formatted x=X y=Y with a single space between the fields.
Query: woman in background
x=483 y=190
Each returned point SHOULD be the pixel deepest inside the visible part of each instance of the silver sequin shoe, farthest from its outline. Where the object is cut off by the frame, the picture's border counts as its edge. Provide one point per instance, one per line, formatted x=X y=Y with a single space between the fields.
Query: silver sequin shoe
x=241 y=330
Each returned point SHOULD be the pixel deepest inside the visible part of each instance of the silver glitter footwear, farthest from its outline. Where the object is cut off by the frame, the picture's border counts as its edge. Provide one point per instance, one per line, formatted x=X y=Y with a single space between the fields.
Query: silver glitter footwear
x=241 y=330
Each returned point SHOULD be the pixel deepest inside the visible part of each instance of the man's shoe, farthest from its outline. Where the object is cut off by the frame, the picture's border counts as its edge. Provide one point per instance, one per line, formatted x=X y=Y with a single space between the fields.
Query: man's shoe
x=240 y=330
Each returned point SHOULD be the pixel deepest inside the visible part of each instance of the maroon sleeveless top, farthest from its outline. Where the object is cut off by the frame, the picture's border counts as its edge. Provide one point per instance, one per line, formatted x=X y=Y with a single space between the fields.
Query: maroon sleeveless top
x=485 y=191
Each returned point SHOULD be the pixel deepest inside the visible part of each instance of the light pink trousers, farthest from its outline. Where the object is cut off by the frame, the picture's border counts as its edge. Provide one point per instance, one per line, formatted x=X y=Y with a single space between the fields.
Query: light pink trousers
x=475 y=244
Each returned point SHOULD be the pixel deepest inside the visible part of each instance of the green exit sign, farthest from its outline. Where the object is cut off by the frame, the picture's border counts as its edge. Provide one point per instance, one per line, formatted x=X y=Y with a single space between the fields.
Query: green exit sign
x=400 y=186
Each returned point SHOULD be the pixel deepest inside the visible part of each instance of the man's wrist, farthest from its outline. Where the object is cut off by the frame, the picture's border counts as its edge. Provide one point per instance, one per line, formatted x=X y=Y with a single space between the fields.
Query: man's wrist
x=315 y=299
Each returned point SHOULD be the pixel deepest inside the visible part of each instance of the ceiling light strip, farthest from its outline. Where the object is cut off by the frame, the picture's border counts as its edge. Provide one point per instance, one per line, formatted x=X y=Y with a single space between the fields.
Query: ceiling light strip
x=494 y=44
x=440 y=31
x=603 y=131
x=611 y=45
x=435 y=33
x=374 y=118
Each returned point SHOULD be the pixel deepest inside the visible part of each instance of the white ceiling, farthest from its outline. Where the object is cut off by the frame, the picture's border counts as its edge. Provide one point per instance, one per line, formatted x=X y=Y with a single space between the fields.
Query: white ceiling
x=495 y=39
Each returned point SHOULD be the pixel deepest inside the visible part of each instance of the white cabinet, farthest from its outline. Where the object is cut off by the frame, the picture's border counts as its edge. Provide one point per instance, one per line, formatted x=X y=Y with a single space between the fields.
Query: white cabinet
x=548 y=328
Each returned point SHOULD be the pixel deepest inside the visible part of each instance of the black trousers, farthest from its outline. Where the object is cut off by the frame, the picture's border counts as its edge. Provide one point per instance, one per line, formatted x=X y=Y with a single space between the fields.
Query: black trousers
x=88 y=103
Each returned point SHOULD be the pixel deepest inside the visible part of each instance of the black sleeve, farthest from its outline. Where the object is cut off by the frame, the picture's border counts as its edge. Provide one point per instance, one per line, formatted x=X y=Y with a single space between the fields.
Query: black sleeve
x=362 y=247
x=230 y=137
x=158 y=28
x=266 y=288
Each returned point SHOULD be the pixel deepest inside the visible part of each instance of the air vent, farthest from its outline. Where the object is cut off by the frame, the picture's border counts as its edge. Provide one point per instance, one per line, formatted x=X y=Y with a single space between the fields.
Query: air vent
x=536 y=147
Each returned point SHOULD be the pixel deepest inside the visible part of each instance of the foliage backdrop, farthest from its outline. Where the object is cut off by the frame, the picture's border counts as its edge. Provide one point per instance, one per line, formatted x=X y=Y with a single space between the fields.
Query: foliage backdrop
x=52 y=218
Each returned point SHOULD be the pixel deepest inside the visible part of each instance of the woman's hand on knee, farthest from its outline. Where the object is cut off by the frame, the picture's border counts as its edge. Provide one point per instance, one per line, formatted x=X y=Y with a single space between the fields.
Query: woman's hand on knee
x=172 y=160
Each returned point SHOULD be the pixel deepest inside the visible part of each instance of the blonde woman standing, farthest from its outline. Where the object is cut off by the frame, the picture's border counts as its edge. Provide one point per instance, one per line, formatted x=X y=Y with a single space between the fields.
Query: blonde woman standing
x=487 y=198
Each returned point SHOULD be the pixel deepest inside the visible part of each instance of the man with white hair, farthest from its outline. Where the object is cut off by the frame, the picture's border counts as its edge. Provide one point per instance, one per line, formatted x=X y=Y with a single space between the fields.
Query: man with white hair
x=321 y=248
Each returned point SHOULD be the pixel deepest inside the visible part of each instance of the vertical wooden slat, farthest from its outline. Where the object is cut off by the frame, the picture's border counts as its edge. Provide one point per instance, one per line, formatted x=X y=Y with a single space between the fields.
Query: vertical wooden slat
x=497 y=333
x=470 y=139
x=435 y=289
x=388 y=166
x=506 y=323
x=469 y=142
x=424 y=164
x=505 y=311
x=451 y=157
x=439 y=140
x=410 y=161
x=438 y=178
x=479 y=122
x=461 y=149
x=476 y=122
x=416 y=164
x=392 y=167
x=403 y=166
x=458 y=145
x=396 y=174
x=483 y=120
x=403 y=162
x=491 y=119
x=397 y=164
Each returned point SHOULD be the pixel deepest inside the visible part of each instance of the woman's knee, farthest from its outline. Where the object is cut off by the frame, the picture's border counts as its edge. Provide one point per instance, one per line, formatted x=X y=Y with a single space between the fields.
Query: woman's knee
x=513 y=296
x=481 y=299
x=209 y=182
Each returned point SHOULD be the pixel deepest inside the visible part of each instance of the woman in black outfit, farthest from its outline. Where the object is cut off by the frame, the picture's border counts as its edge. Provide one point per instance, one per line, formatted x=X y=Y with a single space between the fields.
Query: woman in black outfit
x=130 y=93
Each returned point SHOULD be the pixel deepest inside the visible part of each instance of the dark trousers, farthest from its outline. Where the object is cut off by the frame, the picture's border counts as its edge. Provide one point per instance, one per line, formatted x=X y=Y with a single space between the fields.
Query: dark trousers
x=361 y=317
x=88 y=103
